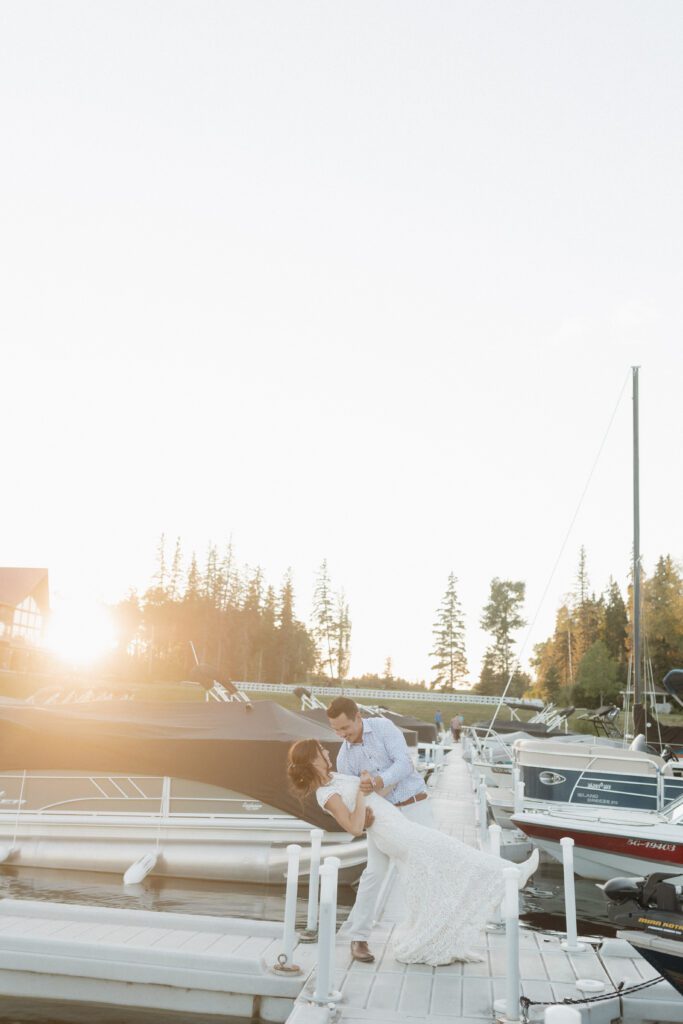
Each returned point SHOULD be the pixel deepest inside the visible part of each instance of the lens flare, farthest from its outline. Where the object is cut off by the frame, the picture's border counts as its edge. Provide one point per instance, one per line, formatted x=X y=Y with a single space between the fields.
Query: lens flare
x=80 y=634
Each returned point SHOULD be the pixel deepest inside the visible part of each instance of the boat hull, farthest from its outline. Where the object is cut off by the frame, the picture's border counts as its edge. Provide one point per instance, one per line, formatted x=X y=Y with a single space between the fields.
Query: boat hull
x=665 y=955
x=219 y=851
x=605 y=854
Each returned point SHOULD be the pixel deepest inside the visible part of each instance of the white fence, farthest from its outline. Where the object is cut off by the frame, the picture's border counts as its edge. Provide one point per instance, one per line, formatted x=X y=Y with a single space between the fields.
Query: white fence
x=350 y=691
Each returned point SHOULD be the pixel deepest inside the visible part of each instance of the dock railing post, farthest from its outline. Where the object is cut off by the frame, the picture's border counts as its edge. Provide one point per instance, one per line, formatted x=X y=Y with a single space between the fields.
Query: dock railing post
x=285 y=962
x=483 y=813
x=495 y=833
x=335 y=864
x=311 y=932
x=509 y=1008
x=518 y=791
x=571 y=945
x=324 y=976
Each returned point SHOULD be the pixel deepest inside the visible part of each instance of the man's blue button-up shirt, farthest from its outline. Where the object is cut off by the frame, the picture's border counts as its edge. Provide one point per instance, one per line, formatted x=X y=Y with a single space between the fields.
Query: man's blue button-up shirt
x=382 y=751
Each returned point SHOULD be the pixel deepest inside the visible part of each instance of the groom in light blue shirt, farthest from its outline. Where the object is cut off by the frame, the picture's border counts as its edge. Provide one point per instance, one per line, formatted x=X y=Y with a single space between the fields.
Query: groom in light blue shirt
x=377 y=746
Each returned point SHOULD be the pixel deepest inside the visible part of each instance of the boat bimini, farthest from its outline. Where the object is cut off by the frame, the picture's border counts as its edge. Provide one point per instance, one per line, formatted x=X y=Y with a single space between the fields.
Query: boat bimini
x=189 y=790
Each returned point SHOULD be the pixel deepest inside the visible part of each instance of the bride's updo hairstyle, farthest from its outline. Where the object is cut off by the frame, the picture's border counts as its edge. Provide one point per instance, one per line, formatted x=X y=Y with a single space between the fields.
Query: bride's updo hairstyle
x=302 y=774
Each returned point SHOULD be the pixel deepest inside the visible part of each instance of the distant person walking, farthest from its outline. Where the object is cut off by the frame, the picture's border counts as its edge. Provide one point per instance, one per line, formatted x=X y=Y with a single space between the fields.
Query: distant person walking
x=438 y=721
x=457 y=722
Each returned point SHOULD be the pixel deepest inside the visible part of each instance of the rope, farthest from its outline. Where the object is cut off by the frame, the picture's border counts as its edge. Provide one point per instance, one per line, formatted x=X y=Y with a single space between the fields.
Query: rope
x=561 y=551
x=620 y=990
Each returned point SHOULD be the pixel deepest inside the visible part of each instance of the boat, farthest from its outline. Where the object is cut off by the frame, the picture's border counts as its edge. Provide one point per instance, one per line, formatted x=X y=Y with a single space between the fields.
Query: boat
x=185 y=789
x=667 y=739
x=596 y=775
x=649 y=915
x=609 y=841
x=643 y=778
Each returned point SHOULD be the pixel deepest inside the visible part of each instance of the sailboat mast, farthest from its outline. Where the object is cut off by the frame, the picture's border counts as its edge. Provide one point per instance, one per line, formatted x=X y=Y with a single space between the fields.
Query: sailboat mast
x=637 y=683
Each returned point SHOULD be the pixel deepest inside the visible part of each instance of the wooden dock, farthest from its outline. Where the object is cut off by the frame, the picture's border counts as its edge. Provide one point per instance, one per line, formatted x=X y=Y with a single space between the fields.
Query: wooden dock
x=393 y=993
x=192 y=964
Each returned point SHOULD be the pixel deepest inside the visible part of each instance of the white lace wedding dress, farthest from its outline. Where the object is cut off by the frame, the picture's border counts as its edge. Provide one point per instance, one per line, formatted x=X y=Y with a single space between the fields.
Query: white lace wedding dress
x=451 y=889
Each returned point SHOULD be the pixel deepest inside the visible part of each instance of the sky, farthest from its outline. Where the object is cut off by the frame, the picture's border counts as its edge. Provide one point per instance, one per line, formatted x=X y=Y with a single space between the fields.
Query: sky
x=358 y=282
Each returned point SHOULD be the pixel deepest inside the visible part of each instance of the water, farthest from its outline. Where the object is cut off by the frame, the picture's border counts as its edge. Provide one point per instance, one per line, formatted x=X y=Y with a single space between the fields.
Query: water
x=541 y=906
x=542 y=903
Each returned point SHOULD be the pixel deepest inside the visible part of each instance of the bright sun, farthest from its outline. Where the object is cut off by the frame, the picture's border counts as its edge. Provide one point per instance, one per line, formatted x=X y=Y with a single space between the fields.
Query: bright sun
x=80 y=634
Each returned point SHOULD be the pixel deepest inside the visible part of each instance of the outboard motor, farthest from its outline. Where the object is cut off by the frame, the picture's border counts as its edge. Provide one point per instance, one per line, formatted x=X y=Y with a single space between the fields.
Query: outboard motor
x=653 y=904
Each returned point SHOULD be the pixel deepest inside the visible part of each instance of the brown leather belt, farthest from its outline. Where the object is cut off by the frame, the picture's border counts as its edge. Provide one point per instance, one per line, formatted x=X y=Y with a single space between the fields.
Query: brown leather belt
x=412 y=800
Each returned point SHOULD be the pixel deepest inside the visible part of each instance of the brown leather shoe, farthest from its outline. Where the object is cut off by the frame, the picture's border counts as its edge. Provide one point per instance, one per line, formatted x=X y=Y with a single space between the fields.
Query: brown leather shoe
x=360 y=951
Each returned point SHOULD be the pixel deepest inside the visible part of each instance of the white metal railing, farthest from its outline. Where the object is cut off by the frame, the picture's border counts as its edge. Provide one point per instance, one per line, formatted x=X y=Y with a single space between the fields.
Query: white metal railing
x=352 y=691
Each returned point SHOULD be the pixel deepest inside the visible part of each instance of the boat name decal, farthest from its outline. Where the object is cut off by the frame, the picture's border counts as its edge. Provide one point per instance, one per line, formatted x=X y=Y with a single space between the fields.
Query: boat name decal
x=651 y=844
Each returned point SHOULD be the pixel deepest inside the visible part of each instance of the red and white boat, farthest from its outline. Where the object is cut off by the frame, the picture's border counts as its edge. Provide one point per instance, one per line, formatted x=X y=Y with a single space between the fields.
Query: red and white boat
x=608 y=842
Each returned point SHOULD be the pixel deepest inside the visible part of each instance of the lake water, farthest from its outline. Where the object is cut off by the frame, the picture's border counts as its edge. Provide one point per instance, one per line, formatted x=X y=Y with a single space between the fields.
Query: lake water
x=541 y=906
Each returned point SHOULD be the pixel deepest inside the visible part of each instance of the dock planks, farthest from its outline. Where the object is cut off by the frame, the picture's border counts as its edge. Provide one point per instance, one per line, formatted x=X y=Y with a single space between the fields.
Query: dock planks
x=393 y=993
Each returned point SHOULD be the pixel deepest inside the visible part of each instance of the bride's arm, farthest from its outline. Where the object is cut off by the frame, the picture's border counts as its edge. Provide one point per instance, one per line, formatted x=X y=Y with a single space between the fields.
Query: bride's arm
x=351 y=821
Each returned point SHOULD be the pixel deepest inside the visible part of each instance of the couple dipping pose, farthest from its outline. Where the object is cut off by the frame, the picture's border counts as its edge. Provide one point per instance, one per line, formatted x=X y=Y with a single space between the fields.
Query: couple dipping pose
x=451 y=889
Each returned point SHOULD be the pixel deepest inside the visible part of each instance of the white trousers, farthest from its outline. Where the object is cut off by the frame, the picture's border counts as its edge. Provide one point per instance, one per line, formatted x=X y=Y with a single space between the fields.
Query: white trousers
x=359 y=923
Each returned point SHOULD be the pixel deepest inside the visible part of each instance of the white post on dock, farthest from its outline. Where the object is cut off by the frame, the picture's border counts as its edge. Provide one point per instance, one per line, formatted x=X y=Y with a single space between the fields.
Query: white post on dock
x=508 y=1009
x=311 y=932
x=518 y=796
x=285 y=962
x=335 y=864
x=495 y=833
x=483 y=814
x=562 y=1015
x=324 y=976
x=571 y=945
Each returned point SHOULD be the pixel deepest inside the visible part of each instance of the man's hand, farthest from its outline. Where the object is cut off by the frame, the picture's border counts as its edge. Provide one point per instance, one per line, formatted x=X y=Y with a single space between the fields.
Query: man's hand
x=369 y=818
x=366 y=785
x=378 y=783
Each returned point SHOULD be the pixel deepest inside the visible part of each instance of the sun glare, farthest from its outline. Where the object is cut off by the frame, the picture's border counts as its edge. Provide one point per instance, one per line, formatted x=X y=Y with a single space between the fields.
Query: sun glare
x=80 y=634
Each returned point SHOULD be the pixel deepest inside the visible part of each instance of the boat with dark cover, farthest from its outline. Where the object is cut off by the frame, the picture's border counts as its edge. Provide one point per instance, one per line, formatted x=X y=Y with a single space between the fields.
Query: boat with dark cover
x=95 y=785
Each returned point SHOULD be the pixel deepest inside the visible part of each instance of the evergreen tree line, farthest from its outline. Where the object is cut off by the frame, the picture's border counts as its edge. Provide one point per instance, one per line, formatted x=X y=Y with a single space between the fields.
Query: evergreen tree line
x=228 y=616
x=586 y=660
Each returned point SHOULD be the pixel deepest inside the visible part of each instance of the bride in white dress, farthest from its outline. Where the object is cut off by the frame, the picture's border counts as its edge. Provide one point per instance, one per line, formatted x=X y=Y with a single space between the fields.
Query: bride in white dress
x=451 y=889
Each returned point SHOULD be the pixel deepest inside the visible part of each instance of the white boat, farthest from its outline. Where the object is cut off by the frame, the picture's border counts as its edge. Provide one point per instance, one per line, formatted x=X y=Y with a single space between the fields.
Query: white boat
x=608 y=842
x=595 y=775
x=189 y=790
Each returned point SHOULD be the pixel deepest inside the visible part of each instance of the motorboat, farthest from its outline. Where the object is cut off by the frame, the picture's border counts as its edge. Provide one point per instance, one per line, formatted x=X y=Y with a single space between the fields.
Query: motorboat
x=663 y=738
x=190 y=789
x=609 y=841
x=547 y=721
x=597 y=775
x=649 y=913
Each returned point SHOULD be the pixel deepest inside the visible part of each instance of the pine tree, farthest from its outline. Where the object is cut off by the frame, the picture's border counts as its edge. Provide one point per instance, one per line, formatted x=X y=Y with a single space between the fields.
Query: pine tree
x=449 y=640
x=341 y=637
x=663 y=617
x=501 y=617
x=160 y=574
x=192 y=587
x=176 y=572
x=323 y=621
x=615 y=627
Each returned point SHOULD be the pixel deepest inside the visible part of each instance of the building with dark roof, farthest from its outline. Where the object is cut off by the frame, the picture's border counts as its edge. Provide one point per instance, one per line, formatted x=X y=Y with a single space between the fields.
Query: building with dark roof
x=24 y=607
